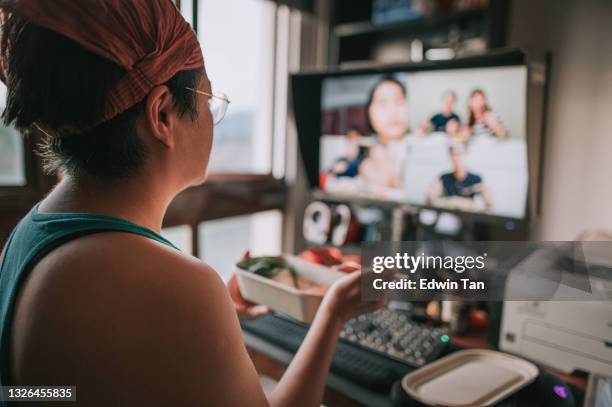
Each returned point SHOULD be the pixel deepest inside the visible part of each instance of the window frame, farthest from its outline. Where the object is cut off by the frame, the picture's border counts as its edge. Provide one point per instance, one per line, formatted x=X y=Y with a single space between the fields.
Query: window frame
x=240 y=193
x=16 y=201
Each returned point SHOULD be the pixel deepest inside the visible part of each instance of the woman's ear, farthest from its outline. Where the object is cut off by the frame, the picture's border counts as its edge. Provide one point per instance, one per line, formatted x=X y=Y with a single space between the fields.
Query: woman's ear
x=160 y=115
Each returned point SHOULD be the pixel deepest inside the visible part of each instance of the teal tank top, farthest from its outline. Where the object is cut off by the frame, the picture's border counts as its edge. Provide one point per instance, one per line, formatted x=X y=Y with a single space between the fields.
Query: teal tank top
x=36 y=235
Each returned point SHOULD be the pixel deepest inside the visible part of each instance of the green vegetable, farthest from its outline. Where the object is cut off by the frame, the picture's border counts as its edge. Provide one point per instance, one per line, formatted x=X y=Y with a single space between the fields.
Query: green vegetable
x=266 y=266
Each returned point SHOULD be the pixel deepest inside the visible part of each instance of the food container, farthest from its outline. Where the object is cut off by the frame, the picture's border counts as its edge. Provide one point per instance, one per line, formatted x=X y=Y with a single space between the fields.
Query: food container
x=474 y=377
x=282 y=298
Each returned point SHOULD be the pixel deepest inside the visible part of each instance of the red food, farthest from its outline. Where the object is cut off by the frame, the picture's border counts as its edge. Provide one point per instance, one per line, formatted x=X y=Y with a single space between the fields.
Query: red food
x=327 y=256
x=348 y=267
x=479 y=319
x=351 y=258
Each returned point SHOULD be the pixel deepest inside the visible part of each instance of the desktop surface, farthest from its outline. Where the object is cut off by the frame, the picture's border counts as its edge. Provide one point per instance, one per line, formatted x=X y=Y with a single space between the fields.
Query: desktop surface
x=360 y=376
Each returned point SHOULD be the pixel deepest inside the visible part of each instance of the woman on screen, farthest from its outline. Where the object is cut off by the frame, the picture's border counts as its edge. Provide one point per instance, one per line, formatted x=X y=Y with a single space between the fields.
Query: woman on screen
x=387 y=110
x=482 y=119
x=387 y=119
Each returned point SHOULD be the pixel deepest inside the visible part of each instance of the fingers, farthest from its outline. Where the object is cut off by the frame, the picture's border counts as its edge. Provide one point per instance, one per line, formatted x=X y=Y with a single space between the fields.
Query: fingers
x=352 y=279
x=244 y=308
x=251 y=312
x=258 y=310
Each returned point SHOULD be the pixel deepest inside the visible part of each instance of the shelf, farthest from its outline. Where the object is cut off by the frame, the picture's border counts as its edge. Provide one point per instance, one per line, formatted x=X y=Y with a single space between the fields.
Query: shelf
x=415 y=208
x=421 y=24
x=359 y=200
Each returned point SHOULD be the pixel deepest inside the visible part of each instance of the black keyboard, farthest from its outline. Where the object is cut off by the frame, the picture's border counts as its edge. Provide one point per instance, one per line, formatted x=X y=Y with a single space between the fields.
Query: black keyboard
x=364 y=365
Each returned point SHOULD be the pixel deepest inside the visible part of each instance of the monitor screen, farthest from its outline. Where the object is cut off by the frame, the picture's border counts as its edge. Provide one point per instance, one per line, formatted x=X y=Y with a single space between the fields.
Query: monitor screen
x=449 y=138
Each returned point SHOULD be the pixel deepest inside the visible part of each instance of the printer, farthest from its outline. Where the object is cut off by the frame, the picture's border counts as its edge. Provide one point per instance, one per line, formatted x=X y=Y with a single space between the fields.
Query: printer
x=570 y=332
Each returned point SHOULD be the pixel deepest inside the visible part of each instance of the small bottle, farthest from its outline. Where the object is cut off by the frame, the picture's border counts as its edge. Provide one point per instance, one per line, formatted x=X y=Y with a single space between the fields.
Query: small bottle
x=460 y=323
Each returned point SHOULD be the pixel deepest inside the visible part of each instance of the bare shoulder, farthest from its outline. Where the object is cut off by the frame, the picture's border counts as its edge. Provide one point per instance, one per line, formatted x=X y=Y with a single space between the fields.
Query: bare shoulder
x=111 y=276
x=122 y=261
x=135 y=309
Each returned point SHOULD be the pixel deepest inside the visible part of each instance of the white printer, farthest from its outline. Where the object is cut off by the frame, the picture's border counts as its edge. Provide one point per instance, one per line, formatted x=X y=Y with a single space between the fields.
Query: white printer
x=567 y=335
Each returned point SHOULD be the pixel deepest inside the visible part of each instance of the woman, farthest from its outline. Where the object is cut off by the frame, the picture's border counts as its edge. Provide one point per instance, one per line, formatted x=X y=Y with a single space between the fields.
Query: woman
x=387 y=110
x=90 y=294
x=387 y=118
x=482 y=119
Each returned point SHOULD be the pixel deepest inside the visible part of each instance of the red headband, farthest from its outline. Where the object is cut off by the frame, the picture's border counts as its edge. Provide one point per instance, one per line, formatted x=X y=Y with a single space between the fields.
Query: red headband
x=149 y=38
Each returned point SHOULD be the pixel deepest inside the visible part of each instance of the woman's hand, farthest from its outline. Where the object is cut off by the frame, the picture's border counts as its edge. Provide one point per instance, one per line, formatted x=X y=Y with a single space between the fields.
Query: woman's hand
x=343 y=300
x=244 y=308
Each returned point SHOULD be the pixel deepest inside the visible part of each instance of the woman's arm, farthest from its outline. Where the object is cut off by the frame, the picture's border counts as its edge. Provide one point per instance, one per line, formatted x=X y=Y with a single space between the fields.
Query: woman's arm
x=303 y=384
x=151 y=326
x=434 y=192
x=485 y=191
x=219 y=365
x=494 y=124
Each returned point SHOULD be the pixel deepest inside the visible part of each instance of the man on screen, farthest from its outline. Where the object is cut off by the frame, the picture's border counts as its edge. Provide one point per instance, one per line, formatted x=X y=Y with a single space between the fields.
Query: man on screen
x=459 y=189
x=439 y=121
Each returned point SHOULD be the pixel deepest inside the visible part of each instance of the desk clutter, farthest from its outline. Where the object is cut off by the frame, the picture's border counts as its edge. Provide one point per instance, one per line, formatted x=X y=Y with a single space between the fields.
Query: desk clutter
x=404 y=350
x=381 y=374
x=547 y=390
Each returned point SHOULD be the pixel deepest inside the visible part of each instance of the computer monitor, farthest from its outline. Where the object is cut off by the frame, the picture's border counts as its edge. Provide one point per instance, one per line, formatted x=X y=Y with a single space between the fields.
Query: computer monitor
x=448 y=135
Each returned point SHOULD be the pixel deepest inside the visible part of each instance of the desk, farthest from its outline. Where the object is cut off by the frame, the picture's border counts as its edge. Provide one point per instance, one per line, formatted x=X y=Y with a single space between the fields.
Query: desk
x=478 y=340
x=272 y=361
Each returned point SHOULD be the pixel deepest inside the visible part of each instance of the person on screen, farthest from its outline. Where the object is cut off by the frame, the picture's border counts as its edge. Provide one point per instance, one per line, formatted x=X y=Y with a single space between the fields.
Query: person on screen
x=387 y=110
x=482 y=119
x=91 y=294
x=439 y=121
x=456 y=130
x=459 y=188
x=378 y=169
x=348 y=166
x=387 y=118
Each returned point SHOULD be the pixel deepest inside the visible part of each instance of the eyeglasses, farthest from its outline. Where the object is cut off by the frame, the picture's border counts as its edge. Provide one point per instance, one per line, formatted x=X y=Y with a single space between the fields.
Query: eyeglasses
x=217 y=104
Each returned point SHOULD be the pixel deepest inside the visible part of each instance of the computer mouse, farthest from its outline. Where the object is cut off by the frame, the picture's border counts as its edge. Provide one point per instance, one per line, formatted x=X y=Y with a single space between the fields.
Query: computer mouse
x=548 y=390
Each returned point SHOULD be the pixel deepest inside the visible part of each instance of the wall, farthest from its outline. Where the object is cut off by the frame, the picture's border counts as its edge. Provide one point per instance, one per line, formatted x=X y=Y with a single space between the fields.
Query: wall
x=577 y=184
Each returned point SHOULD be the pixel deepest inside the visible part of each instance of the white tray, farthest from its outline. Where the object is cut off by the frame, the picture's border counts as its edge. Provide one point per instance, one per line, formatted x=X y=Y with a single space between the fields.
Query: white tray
x=467 y=378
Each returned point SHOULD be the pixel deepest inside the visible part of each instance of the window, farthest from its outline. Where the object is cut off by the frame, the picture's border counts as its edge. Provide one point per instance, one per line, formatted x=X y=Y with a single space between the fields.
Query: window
x=180 y=236
x=247 y=46
x=238 y=41
x=222 y=242
x=12 y=168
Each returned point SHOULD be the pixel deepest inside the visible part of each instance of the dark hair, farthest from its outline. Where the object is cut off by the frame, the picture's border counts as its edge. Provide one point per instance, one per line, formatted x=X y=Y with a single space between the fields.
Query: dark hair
x=385 y=78
x=58 y=86
x=487 y=108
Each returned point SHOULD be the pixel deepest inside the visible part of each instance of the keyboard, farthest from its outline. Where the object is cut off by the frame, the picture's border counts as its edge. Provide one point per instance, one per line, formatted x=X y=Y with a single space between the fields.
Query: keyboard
x=391 y=333
x=368 y=365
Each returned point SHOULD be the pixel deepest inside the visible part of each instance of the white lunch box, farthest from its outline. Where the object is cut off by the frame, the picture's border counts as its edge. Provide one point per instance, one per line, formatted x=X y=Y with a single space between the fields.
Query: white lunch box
x=282 y=298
